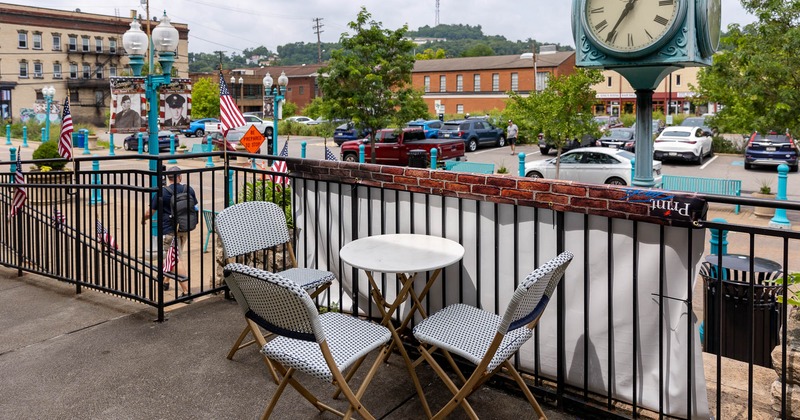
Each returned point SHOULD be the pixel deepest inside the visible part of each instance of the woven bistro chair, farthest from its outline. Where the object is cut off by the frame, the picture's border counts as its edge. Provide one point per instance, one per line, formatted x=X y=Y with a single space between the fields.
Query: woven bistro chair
x=322 y=346
x=254 y=226
x=488 y=340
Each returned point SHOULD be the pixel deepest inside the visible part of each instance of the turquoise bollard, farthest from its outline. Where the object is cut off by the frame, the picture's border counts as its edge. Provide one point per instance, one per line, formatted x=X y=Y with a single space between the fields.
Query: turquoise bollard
x=208 y=148
x=303 y=150
x=8 y=134
x=780 y=220
x=521 y=164
x=24 y=135
x=434 y=153
x=111 y=144
x=172 y=148
x=86 y=142
x=96 y=196
x=140 y=137
x=361 y=153
x=13 y=151
x=719 y=239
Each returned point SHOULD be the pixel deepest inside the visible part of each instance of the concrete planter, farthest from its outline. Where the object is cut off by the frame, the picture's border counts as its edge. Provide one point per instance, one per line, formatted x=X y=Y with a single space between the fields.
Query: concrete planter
x=764 y=211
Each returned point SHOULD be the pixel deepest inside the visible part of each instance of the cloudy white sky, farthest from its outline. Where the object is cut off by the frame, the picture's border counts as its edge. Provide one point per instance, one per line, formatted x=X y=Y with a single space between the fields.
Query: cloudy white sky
x=233 y=25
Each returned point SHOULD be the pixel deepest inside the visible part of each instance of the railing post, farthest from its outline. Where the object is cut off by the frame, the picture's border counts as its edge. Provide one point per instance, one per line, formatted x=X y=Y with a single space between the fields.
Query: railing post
x=96 y=196
x=719 y=239
x=521 y=164
x=303 y=150
x=172 y=148
x=111 y=144
x=8 y=134
x=434 y=153
x=140 y=146
x=360 y=153
x=18 y=221
x=86 y=141
x=210 y=161
x=780 y=220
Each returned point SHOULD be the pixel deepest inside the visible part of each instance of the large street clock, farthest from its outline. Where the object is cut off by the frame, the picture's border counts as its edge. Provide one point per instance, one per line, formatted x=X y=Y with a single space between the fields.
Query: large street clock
x=632 y=28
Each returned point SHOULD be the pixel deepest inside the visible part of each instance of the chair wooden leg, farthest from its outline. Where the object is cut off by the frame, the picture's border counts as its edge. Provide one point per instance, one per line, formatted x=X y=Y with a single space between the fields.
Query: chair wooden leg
x=305 y=393
x=281 y=386
x=259 y=338
x=237 y=345
x=355 y=403
x=349 y=375
x=525 y=389
x=446 y=379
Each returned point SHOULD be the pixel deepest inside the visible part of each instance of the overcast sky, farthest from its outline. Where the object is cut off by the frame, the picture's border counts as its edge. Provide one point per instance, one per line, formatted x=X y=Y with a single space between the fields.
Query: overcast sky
x=233 y=25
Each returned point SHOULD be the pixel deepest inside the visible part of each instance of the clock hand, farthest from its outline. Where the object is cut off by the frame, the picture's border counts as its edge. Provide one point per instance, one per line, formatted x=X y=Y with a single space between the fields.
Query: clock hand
x=628 y=8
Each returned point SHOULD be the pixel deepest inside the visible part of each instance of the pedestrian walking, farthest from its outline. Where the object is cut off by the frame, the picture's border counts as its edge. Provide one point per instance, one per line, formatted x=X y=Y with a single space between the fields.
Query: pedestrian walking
x=511 y=136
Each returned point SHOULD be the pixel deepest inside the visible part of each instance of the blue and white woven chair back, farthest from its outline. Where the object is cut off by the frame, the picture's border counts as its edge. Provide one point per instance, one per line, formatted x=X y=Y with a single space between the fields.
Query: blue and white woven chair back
x=251 y=226
x=275 y=303
x=532 y=295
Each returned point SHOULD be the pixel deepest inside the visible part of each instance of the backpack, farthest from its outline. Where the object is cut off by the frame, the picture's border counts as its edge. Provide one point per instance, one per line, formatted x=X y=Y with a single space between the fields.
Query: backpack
x=182 y=208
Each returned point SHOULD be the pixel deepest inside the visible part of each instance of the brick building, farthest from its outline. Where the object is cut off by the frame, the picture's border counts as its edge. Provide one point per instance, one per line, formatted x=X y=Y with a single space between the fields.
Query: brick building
x=479 y=84
x=67 y=50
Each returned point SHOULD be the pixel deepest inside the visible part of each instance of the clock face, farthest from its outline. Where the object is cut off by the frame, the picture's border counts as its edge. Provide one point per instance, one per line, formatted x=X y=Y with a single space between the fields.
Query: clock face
x=631 y=26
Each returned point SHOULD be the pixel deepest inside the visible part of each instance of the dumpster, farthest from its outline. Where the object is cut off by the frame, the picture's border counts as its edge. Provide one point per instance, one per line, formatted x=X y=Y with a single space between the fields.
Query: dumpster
x=417 y=158
x=728 y=329
x=78 y=140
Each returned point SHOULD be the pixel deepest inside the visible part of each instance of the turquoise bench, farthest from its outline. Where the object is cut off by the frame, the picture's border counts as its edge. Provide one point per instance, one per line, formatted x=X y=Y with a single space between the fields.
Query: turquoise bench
x=200 y=148
x=472 y=167
x=703 y=185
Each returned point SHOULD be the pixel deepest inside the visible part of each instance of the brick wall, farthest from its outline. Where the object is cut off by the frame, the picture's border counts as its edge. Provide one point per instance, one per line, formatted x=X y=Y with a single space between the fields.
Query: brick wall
x=566 y=196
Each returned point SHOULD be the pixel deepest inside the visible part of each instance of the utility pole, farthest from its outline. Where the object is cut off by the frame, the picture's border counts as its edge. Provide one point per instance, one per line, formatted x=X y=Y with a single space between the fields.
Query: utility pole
x=318 y=30
x=220 y=59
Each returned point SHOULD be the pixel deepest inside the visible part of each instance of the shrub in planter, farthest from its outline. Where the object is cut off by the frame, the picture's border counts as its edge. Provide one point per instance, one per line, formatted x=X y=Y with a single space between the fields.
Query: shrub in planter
x=49 y=150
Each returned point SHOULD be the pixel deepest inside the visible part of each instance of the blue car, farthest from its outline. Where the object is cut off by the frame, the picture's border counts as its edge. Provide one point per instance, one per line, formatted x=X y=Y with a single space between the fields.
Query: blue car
x=771 y=149
x=197 y=128
x=347 y=132
x=430 y=127
x=132 y=142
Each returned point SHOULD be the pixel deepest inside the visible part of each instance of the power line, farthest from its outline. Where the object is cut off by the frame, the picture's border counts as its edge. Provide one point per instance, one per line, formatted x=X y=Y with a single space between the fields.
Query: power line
x=318 y=30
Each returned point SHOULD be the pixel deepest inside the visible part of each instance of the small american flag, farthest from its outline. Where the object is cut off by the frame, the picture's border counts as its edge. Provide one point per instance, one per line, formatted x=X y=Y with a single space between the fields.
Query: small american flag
x=280 y=166
x=65 y=139
x=105 y=237
x=329 y=155
x=59 y=220
x=229 y=113
x=20 y=194
x=171 y=260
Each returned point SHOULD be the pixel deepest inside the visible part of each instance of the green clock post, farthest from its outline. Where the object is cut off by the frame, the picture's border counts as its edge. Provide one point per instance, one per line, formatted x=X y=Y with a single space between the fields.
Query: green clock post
x=644 y=41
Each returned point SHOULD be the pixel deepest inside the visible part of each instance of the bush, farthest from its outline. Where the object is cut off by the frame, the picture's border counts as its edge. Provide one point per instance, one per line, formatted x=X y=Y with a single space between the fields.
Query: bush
x=722 y=145
x=47 y=151
x=267 y=191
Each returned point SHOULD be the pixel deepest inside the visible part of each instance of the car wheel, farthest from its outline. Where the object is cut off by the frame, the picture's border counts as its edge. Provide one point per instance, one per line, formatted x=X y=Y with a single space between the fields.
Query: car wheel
x=534 y=174
x=700 y=157
x=544 y=150
x=144 y=147
x=748 y=165
x=350 y=157
x=711 y=152
x=793 y=168
x=615 y=181
x=501 y=141
x=199 y=132
x=472 y=145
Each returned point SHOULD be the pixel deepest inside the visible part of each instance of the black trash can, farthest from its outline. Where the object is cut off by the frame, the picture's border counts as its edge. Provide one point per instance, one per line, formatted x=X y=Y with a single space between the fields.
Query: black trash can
x=417 y=158
x=731 y=332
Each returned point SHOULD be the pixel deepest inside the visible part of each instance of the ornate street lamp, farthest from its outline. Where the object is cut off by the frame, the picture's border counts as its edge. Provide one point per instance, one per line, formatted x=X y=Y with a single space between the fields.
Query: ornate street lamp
x=165 y=41
x=48 y=92
x=276 y=92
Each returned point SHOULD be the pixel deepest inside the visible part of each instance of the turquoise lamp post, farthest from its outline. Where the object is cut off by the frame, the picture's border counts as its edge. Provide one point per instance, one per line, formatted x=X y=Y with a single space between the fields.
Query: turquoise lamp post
x=277 y=92
x=48 y=92
x=165 y=42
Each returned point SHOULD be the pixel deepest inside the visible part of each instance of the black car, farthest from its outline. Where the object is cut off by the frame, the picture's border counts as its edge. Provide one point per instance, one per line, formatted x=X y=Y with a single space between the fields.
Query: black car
x=132 y=142
x=618 y=138
x=475 y=132
x=347 y=132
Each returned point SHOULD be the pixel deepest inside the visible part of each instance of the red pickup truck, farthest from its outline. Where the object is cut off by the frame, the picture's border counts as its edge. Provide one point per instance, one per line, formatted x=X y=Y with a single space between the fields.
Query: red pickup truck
x=392 y=147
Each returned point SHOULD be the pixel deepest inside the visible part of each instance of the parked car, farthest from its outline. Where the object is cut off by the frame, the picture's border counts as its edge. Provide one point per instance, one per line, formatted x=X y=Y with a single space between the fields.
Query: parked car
x=234 y=139
x=430 y=127
x=545 y=145
x=300 y=119
x=197 y=128
x=259 y=114
x=618 y=138
x=658 y=127
x=132 y=142
x=347 y=132
x=698 y=122
x=393 y=147
x=770 y=149
x=475 y=132
x=596 y=165
x=691 y=144
x=607 y=122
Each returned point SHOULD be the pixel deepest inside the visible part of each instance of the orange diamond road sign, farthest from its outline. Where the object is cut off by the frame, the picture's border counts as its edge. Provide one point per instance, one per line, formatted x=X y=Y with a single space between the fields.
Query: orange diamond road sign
x=252 y=139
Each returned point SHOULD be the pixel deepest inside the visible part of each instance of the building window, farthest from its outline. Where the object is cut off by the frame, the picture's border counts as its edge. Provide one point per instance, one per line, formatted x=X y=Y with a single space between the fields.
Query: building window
x=38 y=73
x=23 y=39
x=112 y=46
x=98 y=44
x=73 y=43
x=442 y=83
x=98 y=72
x=73 y=96
x=87 y=71
x=85 y=44
x=677 y=80
x=73 y=71
x=459 y=83
x=542 y=79
x=459 y=108
x=56 y=42
x=56 y=70
x=37 y=41
x=98 y=99
x=610 y=83
x=302 y=90
x=476 y=82
x=495 y=82
x=514 y=82
x=23 y=69
x=427 y=83
x=112 y=71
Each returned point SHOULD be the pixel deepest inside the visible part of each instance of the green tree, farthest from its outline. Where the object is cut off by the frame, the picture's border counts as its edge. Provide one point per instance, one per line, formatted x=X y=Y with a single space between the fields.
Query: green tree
x=205 y=98
x=561 y=112
x=369 y=78
x=478 y=49
x=755 y=76
x=430 y=54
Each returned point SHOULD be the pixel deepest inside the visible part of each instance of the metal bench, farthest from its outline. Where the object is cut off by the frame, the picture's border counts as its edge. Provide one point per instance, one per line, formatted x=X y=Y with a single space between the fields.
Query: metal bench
x=473 y=167
x=703 y=185
x=200 y=148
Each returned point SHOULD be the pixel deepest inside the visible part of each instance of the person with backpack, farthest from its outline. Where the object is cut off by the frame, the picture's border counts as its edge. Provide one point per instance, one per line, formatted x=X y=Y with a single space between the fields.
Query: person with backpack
x=180 y=216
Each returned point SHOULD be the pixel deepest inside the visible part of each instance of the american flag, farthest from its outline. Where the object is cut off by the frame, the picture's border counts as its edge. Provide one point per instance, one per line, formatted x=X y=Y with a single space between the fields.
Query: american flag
x=329 y=155
x=229 y=113
x=171 y=260
x=280 y=166
x=105 y=237
x=20 y=194
x=59 y=220
x=65 y=139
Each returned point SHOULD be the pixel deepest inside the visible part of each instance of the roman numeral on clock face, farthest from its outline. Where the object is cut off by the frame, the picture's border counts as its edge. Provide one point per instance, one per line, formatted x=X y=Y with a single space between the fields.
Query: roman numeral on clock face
x=665 y=2
x=661 y=20
x=598 y=10
x=630 y=40
x=600 y=26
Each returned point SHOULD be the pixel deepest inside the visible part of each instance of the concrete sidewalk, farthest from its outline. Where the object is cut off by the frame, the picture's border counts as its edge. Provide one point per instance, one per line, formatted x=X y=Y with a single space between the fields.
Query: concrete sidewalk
x=94 y=356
